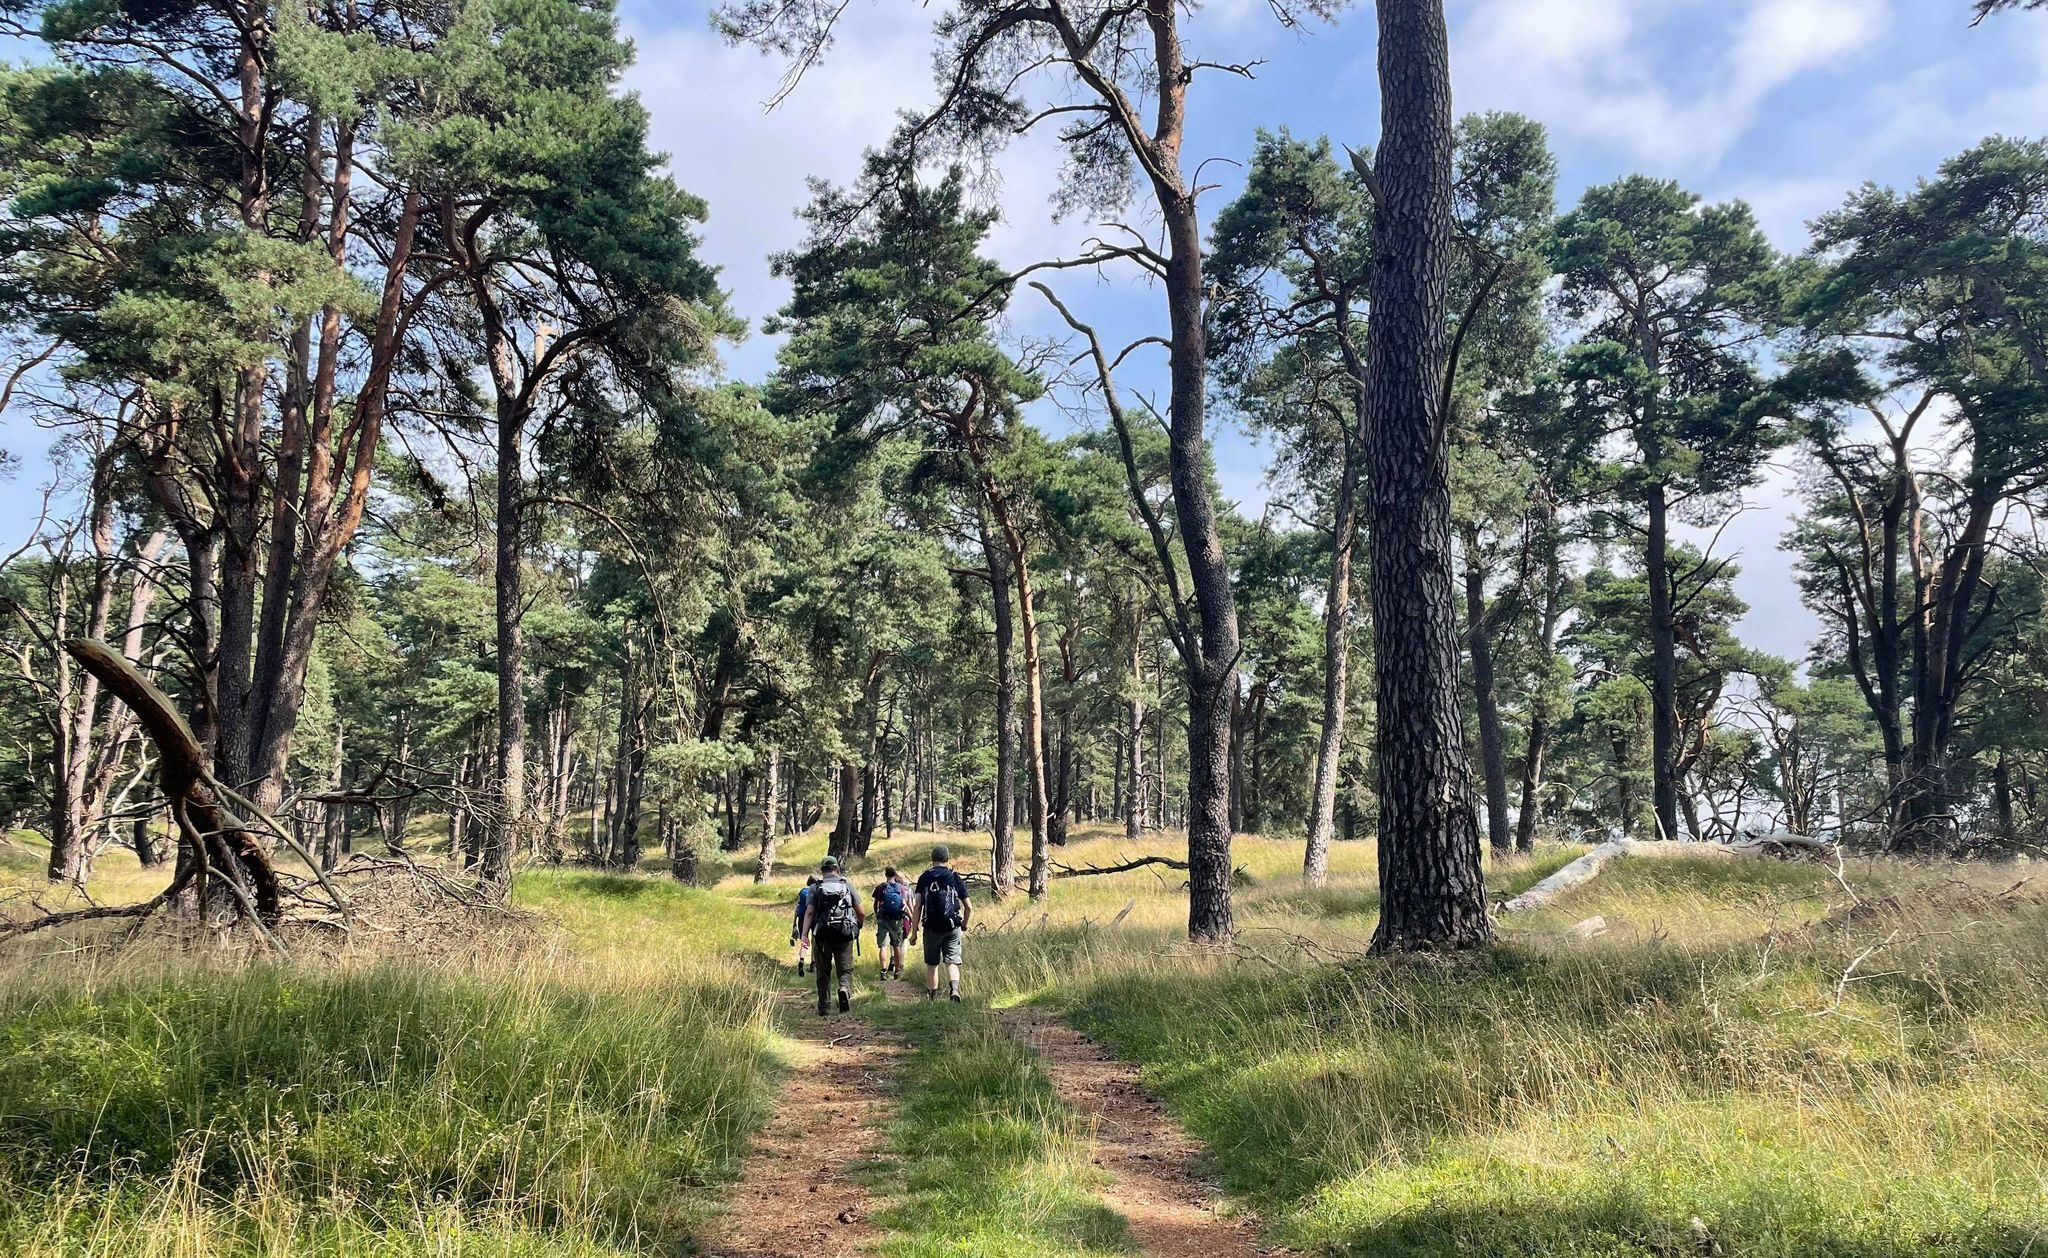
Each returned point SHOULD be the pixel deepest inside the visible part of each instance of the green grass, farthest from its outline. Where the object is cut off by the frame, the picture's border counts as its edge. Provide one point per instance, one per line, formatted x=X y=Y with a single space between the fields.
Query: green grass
x=1743 y=1059
x=1596 y=1099
x=569 y=1100
x=990 y=1163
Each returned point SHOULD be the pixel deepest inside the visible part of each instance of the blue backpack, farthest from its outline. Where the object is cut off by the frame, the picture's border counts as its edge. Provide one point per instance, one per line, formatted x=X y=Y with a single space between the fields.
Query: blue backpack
x=889 y=901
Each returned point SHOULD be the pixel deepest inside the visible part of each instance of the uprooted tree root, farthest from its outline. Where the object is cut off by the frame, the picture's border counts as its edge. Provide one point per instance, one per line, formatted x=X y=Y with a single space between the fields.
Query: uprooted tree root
x=225 y=880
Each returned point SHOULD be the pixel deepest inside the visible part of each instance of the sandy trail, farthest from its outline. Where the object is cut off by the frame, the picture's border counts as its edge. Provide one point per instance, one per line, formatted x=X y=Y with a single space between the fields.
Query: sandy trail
x=797 y=1197
x=1171 y=1209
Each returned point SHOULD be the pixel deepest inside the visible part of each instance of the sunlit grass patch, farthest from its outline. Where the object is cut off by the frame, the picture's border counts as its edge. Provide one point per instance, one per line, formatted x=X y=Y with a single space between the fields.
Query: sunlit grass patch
x=990 y=1162
x=574 y=1099
x=1804 y=1067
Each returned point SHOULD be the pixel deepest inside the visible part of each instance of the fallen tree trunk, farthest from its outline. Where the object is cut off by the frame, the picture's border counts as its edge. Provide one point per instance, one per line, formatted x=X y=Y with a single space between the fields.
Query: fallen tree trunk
x=1088 y=871
x=1577 y=874
x=1593 y=863
x=1784 y=846
x=213 y=843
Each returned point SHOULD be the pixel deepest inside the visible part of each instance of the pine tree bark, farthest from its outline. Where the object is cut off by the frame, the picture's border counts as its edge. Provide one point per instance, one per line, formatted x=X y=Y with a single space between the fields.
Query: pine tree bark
x=848 y=818
x=146 y=853
x=1493 y=758
x=505 y=834
x=1315 y=859
x=771 y=782
x=334 y=819
x=1134 y=741
x=1431 y=887
x=1017 y=558
x=1539 y=705
x=1663 y=668
x=628 y=850
x=1003 y=854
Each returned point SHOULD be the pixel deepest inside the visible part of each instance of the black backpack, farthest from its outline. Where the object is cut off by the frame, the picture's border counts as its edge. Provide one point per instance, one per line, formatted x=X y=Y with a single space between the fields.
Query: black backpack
x=832 y=904
x=941 y=905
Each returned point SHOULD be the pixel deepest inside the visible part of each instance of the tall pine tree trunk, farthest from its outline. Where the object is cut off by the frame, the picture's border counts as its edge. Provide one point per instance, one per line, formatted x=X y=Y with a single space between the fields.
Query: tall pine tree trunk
x=504 y=836
x=1134 y=740
x=1431 y=888
x=1315 y=859
x=1539 y=705
x=1003 y=856
x=1493 y=757
x=771 y=781
x=1663 y=669
x=1018 y=557
x=847 y=821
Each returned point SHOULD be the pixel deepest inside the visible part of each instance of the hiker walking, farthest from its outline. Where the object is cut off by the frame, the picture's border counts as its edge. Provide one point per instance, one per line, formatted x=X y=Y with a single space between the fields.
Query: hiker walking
x=939 y=909
x=799 y=935
x=834 y=921
x=892 y=913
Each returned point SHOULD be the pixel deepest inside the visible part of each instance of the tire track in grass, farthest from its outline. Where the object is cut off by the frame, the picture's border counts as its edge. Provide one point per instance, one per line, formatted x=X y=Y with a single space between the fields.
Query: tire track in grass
x=1170 y=1208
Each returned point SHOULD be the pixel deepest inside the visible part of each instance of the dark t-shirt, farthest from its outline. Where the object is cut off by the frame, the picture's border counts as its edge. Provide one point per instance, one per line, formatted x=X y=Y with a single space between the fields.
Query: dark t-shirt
x=936 y=876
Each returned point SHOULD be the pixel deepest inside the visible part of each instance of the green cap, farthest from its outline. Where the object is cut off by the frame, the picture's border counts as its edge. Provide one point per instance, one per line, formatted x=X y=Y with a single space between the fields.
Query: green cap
x=830 y=862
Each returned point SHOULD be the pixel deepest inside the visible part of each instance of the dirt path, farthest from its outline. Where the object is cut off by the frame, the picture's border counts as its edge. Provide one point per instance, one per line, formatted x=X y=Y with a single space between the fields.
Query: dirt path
x=1170 y=1208
x=796 y=1197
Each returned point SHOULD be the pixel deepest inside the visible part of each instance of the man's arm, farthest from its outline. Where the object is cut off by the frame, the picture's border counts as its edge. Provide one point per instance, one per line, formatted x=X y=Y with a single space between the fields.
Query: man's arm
x=916 y=914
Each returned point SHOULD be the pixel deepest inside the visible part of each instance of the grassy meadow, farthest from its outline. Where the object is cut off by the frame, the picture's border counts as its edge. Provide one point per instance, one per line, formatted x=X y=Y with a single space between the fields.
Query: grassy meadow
x=1753 y=1058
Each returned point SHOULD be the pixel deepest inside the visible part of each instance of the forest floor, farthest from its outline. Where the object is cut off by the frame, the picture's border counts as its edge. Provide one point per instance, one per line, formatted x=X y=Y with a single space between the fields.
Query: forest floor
x=1750 y=1058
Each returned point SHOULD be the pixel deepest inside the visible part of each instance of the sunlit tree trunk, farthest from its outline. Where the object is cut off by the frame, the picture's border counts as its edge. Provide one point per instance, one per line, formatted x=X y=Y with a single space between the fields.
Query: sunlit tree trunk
x=1432 y=894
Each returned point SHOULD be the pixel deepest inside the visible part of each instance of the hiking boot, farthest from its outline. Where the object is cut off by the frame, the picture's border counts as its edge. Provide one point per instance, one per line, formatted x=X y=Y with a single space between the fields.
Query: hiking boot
x=799 y=969
x=844 y=1002
x=822 y=1010
x=931 y=993
x=954 y=997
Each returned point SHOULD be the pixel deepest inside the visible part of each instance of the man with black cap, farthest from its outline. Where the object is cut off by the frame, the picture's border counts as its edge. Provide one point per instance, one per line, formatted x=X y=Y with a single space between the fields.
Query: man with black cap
x=833 y=922
x=940 y=910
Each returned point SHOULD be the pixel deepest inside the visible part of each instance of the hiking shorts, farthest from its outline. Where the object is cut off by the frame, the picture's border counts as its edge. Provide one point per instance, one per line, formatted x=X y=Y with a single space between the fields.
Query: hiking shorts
x=943 y=947
x=888 y=931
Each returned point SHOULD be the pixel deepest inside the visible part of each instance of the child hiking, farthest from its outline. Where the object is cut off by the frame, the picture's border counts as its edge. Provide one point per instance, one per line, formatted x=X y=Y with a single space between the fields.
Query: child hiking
x=940 y=910
x=892 y=912
x=799 y=936
x=833 y=920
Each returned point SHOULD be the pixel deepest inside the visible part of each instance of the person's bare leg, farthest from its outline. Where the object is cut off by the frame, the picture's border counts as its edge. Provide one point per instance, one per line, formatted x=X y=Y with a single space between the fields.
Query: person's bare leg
x=931 y=979
x=953 y=978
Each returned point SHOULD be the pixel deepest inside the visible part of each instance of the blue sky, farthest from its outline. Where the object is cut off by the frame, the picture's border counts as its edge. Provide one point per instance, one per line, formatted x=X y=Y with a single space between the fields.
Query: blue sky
x=1788 y=104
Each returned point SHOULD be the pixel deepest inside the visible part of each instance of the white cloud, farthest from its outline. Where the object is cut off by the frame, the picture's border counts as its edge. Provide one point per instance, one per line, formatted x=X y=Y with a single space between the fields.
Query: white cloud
x=706 y=101
x=1952 y=103
x=1785 y=206
x=1781 y=39
x=1637 y=77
